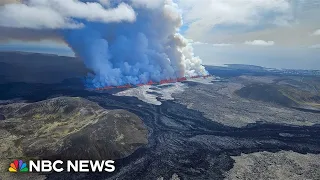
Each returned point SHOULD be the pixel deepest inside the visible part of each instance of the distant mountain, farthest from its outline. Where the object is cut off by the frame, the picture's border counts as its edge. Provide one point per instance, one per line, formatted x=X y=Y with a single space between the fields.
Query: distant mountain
x=244 y=69
x=245 y=66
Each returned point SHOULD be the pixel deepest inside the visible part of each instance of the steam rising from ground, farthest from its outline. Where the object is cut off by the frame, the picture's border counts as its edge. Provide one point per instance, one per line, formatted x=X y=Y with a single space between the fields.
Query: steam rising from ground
x=123 y=42
x=135 y=52
x=154 y=94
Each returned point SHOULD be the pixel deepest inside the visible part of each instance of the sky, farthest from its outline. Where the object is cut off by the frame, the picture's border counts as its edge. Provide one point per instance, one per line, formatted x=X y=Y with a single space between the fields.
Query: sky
x=270 y=33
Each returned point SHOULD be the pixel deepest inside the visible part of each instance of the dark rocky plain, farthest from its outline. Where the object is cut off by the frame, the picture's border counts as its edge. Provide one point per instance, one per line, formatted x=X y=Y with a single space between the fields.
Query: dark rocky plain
x=181 y=141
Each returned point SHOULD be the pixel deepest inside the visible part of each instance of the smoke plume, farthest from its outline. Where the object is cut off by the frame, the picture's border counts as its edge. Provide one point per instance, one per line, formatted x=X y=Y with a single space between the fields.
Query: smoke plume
x=123 y=42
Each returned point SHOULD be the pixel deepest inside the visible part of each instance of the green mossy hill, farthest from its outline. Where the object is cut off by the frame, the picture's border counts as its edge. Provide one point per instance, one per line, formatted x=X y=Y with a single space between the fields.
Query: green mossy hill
x=67 y=128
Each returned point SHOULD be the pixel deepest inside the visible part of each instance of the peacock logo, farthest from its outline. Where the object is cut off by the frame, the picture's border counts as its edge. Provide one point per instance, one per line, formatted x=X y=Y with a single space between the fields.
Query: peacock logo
x=18 y=166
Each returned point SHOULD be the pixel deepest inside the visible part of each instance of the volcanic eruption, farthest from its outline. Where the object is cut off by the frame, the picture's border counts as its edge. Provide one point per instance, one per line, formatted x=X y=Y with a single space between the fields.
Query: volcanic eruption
x=122 y=41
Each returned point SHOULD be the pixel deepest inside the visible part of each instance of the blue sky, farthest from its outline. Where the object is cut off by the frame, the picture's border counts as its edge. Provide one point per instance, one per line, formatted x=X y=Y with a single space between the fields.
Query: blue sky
x=271 y=33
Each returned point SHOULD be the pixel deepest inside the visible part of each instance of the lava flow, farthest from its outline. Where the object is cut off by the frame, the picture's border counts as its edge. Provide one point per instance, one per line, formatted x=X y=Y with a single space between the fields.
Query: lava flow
x=165 y=81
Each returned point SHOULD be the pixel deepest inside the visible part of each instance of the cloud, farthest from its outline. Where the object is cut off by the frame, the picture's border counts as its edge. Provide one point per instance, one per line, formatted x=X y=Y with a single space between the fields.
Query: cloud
x=315 y=46
x=236 y=21
x=294 y=36
x=316 y=33
x=104 y=2
x=203 y=16
x=147 y=3
x=23 y=16
x=215 y=44
x=60 y=14
x=222 y=45
x=260 y=43
x=199 y=43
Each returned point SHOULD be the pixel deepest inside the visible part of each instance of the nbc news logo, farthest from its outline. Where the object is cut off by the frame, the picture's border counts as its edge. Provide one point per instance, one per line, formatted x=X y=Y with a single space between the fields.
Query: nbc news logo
x=57 y=166
x=18 y=166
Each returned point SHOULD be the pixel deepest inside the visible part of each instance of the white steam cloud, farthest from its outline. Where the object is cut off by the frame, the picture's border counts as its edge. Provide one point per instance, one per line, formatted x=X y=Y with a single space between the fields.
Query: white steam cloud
x=259 y=43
